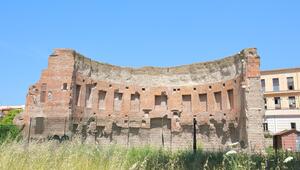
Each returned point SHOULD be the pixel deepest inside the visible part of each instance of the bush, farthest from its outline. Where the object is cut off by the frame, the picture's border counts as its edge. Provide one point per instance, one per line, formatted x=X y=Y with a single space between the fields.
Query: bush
x=8 y=131
x=8 y=119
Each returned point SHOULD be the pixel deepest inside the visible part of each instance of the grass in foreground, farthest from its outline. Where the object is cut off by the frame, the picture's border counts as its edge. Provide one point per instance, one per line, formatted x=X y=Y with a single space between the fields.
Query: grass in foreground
x=51 y=155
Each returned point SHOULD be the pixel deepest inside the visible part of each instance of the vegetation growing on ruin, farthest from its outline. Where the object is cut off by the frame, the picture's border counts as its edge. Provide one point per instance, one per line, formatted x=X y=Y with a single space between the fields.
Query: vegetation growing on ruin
x=52 y=155
x=74 y=155
x=9 y=131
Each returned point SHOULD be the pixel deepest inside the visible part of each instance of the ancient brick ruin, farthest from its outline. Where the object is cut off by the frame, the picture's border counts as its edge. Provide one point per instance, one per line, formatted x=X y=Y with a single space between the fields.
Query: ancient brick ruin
x=97 y=102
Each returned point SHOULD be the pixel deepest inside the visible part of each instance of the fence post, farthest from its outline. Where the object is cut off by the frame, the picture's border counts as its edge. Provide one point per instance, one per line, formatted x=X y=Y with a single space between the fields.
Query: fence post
x=65 y=125
x=29 y=130
x=128 y=131
x=96 y=131
x=162 y=132
x=194 y=136
x=171 y=137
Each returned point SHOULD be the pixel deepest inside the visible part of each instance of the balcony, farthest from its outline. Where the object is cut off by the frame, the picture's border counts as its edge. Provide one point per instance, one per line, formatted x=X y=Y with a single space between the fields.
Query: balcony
x=281 y=92
x=283 y=112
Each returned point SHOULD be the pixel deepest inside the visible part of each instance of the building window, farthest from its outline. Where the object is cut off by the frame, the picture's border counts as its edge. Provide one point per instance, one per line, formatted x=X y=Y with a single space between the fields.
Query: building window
x=218 y=101
x=161 y=102
x=65 y=86
x=203 y=102
x=277 y=102
x=290 y=83
x=230 y=100
x=43 y=96
x=263 y=85
x=266 y=128
x=118 y=101
x=101 y=98
x=266 y=105
x=43 y=93
x=135 y=102
x=292 y=102
x=89 y=96
x=77 y=95
x=186 y=103
x=293 y=125
x=50 y=95
x=275 y=84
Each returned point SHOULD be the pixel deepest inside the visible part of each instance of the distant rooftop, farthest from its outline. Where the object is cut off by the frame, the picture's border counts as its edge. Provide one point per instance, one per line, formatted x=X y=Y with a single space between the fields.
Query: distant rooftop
x=279 y=71
x=12 y=107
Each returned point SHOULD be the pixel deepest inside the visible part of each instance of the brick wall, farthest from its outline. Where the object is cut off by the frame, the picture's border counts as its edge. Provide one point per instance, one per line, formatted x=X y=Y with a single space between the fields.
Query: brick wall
x=162 y=115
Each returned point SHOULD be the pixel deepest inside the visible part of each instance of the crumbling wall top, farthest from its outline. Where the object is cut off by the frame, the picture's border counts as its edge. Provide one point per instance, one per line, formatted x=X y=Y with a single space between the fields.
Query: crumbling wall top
x=185 y=75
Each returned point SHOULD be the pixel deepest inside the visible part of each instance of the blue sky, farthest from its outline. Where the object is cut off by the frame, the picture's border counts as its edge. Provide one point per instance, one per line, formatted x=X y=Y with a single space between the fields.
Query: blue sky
x=139 y=33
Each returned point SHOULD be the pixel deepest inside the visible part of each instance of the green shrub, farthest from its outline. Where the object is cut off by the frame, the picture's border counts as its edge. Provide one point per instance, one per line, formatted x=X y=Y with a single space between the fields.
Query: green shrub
x=8 y=119
x=8 y=131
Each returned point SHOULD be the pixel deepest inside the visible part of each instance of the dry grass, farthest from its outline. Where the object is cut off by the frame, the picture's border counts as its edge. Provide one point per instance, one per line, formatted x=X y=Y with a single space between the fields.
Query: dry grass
x=76 y=156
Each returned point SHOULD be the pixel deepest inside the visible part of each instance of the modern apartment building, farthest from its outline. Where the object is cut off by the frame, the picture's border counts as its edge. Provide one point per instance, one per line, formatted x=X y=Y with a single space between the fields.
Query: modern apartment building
x=281 y=90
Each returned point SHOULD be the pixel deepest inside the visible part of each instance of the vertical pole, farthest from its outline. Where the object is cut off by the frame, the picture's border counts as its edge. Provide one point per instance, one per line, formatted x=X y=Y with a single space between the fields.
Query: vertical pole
x=28 y=140
x=96 y=131
x=128 y=132
x=162 y=132
x=171 y=137
x=65 y=124
x=194 y=136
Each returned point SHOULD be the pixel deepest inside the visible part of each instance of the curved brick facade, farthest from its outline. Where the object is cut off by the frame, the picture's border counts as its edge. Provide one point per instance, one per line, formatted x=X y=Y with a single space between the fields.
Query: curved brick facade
x=106 y=104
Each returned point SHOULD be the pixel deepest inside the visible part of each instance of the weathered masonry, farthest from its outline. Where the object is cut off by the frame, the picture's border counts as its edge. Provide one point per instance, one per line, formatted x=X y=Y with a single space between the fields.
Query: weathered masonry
x=102 y=103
